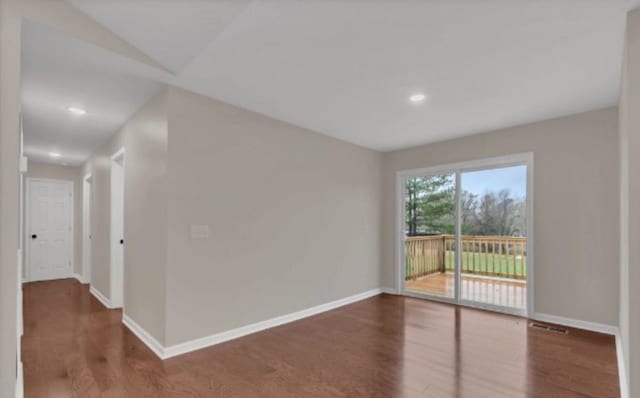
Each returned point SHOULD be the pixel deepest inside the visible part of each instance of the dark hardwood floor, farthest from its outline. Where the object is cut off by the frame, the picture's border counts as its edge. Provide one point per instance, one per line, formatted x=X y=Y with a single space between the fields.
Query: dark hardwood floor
x=386 y=346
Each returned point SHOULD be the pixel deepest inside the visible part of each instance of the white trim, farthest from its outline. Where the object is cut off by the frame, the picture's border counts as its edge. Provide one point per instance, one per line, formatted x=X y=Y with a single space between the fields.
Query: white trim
x=119 y=153
x=218 y=338
x=457 y=267
x=19 y=388
x=20 y=382
x=116 y=285
x=87 y=212
x=400 y=226
x=388 y=290
x=622 y=369
x=531 y=298
x=19 y=310
x=153 y=344
x=79 y=278
x=471 y=165
x=27 y=248
x=101 y=298
x=576 y=323
x=458 y=168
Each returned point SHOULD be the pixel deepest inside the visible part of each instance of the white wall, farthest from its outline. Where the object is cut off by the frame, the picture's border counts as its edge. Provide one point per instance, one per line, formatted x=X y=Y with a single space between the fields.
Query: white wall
x=65 y=173
x=294 y=218
x=629 y=199
x=575 y=206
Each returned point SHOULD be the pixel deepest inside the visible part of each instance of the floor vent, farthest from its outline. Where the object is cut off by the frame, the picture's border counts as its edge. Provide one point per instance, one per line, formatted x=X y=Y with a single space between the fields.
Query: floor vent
x=549 y=328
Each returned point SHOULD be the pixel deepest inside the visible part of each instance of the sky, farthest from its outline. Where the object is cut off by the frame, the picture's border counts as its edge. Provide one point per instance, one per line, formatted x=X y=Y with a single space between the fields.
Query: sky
x=512 y=178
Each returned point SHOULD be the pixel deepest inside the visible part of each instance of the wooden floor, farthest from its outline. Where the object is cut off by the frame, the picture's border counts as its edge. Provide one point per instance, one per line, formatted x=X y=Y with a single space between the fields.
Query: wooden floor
x=386 y=346
x=496 y=291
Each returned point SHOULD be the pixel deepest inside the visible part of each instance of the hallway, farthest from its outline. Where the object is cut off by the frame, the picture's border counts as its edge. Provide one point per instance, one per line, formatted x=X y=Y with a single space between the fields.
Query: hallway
x=385 y=346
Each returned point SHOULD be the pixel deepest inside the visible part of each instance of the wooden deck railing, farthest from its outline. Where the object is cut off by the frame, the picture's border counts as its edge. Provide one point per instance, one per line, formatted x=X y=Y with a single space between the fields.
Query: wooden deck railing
x=499 y=256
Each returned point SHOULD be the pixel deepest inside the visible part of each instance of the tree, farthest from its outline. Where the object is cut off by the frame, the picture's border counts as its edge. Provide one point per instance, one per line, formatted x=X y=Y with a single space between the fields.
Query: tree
x=430 y=209
x=430 y=204
x=500 y=214
x=469 y=208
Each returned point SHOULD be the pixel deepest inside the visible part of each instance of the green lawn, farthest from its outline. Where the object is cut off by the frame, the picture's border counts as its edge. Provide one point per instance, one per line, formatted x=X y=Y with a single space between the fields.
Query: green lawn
x=482 y=263
x=488 y=262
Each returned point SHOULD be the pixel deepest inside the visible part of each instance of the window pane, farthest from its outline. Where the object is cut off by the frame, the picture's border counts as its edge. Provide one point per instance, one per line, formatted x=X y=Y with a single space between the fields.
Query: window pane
x=493 y=205
x=429 y=235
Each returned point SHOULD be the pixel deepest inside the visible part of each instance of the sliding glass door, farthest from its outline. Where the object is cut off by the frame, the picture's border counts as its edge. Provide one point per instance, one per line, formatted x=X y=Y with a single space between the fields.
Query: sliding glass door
x=464 y=233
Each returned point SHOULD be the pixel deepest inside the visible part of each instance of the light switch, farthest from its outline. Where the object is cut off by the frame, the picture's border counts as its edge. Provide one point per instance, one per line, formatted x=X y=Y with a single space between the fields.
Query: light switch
x=199 y=231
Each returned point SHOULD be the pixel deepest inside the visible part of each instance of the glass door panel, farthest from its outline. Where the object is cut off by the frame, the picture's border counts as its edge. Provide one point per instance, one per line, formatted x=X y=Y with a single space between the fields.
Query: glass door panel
x=493 y=257
x=429 y=235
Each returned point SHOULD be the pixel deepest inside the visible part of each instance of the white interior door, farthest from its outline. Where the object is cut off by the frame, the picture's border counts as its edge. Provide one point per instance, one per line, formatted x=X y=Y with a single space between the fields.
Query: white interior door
x=117 y=230
x=49 y=229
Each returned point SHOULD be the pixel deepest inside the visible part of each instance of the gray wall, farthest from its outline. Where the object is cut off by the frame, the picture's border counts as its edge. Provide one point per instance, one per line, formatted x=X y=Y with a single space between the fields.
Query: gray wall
x=60 y=15
x=629 y=199
x=98 y=166
x=9 y=193
x=294 y=218
x=65 y=173
x=575 y=207
x=144 y=138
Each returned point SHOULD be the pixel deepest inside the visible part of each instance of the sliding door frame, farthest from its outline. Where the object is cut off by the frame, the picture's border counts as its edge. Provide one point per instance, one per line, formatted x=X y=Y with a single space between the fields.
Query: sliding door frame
x=457 y=169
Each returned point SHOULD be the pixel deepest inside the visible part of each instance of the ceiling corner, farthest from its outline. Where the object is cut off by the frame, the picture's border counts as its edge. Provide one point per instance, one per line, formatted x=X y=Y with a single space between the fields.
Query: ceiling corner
x=64 y=17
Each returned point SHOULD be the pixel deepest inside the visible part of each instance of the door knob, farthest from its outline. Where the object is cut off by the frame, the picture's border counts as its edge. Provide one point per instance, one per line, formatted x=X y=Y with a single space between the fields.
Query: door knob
x=34 y=236
x=121 y=241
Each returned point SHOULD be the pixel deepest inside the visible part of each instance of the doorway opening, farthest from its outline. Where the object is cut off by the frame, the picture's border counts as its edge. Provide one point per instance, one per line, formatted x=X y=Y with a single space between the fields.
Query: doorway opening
x=465 y=233
x=87 y=222
x=117 y=229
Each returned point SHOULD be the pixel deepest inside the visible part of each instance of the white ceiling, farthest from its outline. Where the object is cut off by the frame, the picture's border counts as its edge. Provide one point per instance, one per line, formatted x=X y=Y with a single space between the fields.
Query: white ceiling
x=347 y=68
x=59 y=72
x=172 y=32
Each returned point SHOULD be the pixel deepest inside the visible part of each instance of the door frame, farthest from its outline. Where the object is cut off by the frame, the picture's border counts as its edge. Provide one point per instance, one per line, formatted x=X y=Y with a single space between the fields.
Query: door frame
x=27 y=223
x=116 y=289
x=87 y=225
x=457 y=169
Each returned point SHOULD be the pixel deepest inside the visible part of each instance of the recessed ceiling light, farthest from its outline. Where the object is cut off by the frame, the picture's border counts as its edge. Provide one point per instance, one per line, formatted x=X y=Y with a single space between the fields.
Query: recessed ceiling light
x=76 y=111
x=419 y=97
x=54 y=154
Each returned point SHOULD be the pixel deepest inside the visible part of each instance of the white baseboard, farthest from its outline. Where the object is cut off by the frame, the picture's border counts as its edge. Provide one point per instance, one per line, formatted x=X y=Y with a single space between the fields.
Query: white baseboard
x=153 y=344
x=576 y=323
x=221 y=337
x=79 y=278
x=96 y=293
x=622 y=369
x=20 y=382
x=217 y=338
x=389 y=290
